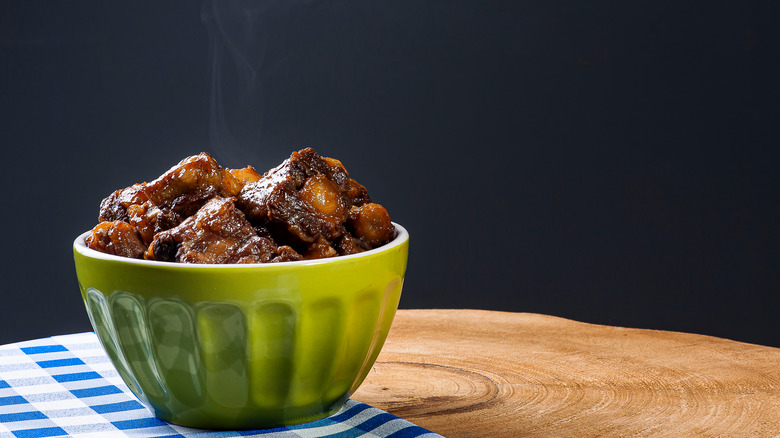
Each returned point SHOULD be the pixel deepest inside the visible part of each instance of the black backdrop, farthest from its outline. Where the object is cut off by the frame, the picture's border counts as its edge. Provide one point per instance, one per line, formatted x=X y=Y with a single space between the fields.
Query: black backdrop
x=611 y=162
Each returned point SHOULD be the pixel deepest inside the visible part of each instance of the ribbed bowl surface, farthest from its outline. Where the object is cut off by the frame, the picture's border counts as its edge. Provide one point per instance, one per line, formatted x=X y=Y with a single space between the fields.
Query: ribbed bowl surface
x=238 y=347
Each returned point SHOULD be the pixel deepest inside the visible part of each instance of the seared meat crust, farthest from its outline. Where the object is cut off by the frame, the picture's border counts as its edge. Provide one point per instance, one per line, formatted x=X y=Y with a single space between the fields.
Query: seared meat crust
x=199 y=212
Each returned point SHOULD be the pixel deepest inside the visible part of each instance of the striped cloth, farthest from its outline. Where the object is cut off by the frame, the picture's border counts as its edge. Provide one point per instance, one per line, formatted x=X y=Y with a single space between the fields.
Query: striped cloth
x=66 y=386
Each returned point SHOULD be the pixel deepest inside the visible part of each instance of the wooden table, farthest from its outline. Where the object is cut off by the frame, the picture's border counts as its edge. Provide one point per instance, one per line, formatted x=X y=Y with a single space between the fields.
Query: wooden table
x=488 y=374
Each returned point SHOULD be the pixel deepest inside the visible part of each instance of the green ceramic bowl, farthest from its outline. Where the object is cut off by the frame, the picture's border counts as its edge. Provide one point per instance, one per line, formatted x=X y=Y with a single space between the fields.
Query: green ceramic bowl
x=243 y=346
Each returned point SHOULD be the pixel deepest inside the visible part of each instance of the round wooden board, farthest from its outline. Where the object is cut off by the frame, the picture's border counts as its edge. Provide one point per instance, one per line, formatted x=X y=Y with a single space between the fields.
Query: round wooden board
x=485 y=373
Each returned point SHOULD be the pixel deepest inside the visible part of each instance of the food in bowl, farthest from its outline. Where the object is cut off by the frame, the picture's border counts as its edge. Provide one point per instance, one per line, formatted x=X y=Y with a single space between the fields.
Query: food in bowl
x=307 y=207
x=282 y=291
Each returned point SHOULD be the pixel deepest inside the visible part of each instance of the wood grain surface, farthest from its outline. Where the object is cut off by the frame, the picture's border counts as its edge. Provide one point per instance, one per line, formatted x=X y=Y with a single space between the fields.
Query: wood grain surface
x=496 y=374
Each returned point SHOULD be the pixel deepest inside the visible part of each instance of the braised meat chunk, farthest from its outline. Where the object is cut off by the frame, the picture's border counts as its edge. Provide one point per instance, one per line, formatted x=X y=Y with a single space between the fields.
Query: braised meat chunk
x=303 y=198
x=178 y=193
x=217 y=233
x=371 y=223
x=199 y=212
x=116 y=237
x=310 y=201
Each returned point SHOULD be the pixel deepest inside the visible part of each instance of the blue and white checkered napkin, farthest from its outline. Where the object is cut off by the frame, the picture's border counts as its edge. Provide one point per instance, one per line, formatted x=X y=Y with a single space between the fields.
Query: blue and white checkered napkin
x=66 y=386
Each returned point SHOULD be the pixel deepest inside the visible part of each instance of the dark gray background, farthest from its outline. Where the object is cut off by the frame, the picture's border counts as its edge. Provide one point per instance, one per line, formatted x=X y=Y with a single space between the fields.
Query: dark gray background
x=611 y=162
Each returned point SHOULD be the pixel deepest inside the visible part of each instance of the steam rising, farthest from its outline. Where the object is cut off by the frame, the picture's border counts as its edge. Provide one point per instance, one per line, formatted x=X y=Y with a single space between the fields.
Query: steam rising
x=237 y=50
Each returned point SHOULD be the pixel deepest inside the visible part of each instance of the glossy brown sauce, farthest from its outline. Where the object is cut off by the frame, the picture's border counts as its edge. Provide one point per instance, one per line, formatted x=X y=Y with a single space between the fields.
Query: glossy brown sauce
x=307 y=207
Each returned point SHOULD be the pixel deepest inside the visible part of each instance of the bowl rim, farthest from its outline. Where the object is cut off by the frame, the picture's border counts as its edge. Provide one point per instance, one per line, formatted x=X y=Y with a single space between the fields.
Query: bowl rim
x=80 y=246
